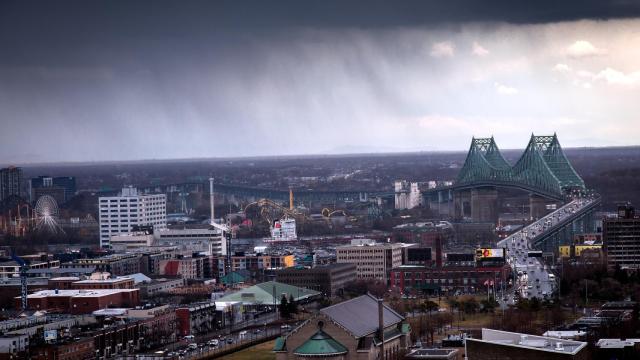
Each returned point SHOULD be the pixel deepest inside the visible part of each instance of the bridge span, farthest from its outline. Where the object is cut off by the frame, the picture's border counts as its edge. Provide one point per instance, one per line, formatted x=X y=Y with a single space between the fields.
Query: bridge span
x=532 y=277
x=543 y=171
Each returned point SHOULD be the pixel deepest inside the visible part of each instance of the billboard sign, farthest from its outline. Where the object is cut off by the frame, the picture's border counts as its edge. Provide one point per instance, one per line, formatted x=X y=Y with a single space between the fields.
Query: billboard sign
x=50 y=335
x=485 y=253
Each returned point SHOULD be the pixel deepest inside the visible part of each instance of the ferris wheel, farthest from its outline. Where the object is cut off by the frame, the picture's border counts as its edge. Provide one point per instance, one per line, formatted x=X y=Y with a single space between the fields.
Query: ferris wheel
x=46 y=214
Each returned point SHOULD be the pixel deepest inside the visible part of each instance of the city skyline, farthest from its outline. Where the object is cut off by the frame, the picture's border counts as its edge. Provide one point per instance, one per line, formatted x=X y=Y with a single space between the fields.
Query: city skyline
x=78 y=84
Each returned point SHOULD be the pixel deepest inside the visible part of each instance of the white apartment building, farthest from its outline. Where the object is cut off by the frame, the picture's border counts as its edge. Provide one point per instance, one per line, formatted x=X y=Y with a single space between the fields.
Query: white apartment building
x=373 y=261
x=407 y=195
x=118 y=214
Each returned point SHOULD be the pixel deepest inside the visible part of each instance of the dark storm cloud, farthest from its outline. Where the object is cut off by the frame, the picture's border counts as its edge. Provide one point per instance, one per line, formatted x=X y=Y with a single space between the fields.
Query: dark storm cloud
x=98 y=80
x=122 y=32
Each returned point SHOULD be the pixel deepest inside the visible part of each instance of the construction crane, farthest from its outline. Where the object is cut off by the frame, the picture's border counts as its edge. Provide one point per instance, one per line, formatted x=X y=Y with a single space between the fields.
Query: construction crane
x=23 y=279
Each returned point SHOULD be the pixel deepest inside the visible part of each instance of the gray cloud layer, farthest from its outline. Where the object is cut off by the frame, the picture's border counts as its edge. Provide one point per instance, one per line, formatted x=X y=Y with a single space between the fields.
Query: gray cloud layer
x=129 y=80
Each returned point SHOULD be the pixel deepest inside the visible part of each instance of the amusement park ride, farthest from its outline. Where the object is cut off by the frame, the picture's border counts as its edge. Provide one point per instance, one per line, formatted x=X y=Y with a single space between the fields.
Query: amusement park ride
x=43 y=217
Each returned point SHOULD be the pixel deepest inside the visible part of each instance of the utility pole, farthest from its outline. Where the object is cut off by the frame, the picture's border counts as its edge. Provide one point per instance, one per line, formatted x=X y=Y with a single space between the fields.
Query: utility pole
x=586 y=293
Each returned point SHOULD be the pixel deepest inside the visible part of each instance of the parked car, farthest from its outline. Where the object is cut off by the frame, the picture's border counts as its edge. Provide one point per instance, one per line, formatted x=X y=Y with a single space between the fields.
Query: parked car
x=213 y=342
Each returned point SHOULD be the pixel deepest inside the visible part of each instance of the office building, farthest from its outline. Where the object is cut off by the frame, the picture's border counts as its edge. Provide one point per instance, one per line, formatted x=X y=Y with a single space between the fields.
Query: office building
x=621 y=239
x=60 y=188
x=10 y=182
x=373 y=261
x=120 y=214
x=330 y=280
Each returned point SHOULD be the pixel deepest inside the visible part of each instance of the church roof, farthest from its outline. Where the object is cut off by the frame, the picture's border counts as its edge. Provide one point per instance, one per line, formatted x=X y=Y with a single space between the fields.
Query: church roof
x=320 y=344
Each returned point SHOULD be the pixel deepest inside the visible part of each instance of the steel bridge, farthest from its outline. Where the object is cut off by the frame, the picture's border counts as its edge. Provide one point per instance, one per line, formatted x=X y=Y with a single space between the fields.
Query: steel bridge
x=542 y=169
x=580 y=222
x=238 y=193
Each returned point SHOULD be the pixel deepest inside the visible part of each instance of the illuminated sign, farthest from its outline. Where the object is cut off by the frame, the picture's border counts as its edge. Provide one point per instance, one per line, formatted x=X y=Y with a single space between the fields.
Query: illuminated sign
x=489 y=253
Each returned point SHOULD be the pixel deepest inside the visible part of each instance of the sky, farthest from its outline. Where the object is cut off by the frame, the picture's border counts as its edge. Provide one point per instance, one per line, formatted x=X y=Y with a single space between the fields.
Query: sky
x=128 y=80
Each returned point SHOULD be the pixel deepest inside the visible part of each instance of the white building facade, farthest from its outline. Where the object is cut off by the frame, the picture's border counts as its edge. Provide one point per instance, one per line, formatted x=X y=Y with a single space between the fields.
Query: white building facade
x=407 y=195
x=119 y=214
x=193 y=240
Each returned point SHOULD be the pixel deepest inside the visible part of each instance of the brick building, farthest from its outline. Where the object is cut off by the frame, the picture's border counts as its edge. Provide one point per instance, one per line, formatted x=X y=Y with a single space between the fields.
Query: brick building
x=185 y=267
x=81 y=301
x=330 y=280
x=68 y=349
x=448 y=278
x=196 y=319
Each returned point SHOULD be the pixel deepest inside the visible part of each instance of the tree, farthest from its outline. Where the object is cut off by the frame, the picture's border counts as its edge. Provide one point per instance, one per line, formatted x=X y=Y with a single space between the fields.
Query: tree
x=429 y=306
x=293 y=306
x=488 y=305
x=284 y=307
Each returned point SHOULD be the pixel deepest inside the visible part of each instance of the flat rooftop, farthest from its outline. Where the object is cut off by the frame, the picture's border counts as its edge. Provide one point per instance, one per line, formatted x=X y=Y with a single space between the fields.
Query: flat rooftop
x=104 y=281
x=531 y=342
x=77 y=293
x=616 y=343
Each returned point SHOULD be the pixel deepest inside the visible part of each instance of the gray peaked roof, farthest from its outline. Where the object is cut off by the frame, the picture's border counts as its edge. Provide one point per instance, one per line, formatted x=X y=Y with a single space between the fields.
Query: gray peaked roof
x=360 y=315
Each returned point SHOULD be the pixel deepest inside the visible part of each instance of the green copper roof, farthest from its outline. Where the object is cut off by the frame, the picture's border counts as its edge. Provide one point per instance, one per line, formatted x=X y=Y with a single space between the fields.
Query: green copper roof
x=320 y=344
x=268 y=293
x=279 y=345
x=406 y=328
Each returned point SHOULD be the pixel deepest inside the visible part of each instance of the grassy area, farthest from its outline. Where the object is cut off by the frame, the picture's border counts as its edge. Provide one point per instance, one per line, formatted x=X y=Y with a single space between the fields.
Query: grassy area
x=258 y=352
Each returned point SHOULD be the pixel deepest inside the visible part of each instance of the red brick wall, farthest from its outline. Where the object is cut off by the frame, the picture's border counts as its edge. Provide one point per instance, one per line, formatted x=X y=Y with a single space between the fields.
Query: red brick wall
x=184 y=322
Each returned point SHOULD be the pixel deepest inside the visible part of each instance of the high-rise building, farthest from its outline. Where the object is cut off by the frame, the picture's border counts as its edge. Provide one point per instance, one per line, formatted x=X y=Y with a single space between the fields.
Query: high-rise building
x=10 y=182
x=119 y=214
x=60 y=188
x=621 y=239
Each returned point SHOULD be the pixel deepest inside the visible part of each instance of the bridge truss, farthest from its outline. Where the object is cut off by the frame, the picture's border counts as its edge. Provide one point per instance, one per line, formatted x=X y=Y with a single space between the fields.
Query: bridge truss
x=543 y=168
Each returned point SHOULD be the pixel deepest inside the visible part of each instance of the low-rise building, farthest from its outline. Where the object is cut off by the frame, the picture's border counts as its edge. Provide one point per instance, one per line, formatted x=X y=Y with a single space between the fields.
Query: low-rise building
x=330 y=280
x=184 y=267
x=11 y=269
x=360 y=328
x=617 y=349
x=160 y=324
x=130 y=241
x=466 y=279
x=496 y=344
x=197 y=319
x=81 y=301
x=16 y=345
x=116 y=264
x=160 y=285
x=65 y=349
x=268 y=295
x=208 y=240
x=119 y=282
